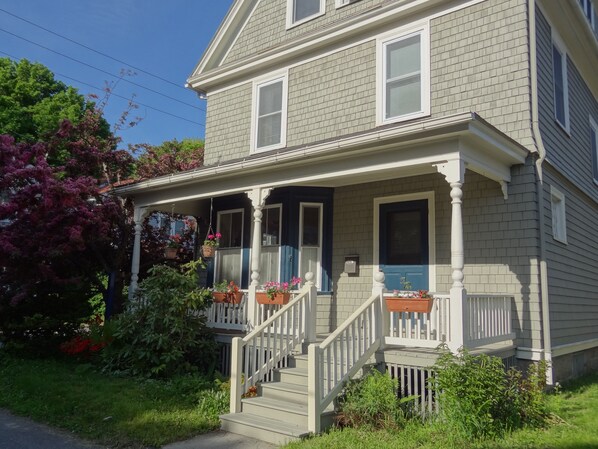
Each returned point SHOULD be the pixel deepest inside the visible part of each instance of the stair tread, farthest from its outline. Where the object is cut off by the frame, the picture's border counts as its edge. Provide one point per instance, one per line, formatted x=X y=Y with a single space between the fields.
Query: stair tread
x=285 y=386
x=271 y=425
x=289 y=406
x=296 y=371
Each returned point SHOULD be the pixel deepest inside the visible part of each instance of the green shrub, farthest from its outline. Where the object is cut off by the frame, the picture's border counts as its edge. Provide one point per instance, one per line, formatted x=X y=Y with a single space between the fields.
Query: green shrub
x=478 y=399
x=163 y=334
x=373 y=402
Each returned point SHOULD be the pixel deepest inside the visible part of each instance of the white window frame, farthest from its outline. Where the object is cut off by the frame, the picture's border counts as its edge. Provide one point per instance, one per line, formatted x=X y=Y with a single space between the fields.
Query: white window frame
x=279 y=244
x=341 y=3
x=594 y=127
x=318 y=275
x=559 y=215
x=217 y=258
x=423 y=29
x=290 y=9
x=560 y=46
x=257 y=85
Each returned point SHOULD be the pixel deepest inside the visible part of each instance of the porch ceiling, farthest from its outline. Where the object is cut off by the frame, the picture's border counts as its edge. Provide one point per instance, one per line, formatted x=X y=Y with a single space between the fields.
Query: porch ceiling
x=384 y=153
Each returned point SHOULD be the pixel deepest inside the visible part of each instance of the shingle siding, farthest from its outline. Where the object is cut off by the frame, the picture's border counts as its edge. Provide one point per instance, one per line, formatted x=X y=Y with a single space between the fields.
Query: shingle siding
x=492 y=226
x=266 y=28
x=480 y=63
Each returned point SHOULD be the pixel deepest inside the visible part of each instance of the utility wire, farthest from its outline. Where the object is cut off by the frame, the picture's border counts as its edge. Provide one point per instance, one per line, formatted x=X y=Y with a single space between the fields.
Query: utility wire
x=98 y=69
x=114 y=94
x=91 y=49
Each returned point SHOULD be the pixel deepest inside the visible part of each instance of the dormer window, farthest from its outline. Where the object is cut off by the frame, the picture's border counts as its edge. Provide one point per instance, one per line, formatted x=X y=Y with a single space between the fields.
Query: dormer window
x=300 y=11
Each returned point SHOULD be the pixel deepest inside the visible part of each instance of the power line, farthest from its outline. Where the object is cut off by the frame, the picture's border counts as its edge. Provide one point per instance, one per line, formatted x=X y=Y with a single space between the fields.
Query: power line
x=114 y=94
x=92 y=49
x=98 y=69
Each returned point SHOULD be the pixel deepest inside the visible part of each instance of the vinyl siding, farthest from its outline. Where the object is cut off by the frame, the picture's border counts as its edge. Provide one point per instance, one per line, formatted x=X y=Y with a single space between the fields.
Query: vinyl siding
x=572 y=267
x=569 y=153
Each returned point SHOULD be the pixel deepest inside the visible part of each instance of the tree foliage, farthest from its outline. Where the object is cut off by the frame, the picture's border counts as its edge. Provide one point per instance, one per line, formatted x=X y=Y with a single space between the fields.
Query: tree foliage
x=33 y=103
x=170 y=157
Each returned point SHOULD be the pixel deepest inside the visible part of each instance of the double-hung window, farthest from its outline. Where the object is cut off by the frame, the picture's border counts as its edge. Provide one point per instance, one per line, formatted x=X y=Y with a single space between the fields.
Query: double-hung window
x=559 y=75
x=404 y=75
x=229 y=257
x=270 y=254
x=559 y=220
x=594 y=148
x=269 y=116
x=588 y=11
x=310 y=241
x=299 y=11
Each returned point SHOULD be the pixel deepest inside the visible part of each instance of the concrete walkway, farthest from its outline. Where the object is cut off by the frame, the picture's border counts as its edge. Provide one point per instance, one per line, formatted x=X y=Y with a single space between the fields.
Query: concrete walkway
x=17 y=432
x=220 y=440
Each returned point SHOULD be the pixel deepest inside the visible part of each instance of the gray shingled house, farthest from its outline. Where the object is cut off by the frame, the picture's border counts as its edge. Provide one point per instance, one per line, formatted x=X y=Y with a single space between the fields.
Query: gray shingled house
x=373 y=145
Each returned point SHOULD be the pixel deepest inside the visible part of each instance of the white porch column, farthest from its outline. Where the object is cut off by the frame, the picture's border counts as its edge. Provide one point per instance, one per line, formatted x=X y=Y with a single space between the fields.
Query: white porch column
x=138 y=216
x=454 y=172
x=258 y=198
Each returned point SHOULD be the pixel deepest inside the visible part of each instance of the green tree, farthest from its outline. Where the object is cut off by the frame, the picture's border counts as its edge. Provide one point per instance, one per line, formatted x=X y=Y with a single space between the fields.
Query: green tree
x=33 y=103
x=171 y=156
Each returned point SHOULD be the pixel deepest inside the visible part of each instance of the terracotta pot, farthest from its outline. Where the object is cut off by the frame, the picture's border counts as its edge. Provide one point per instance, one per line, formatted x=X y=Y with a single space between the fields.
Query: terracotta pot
x=208 y=251
x=419 y=305
x=235 y=298
x=170 y=253
x=279 y=298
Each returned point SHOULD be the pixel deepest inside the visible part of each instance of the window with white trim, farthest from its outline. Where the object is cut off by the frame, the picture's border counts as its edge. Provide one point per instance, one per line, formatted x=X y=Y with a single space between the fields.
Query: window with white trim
x=559 y=76
x=341 y=3
x=271 y=232
x=269 y=116
x=404 y=78
x=594 y=148
x=299 y=11
x=310 y=240
x=559 y=222
x=229 y=257
x=588 y=11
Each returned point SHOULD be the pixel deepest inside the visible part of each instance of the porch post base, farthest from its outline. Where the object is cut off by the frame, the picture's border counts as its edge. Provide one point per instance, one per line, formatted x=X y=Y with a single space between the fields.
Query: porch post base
x=458 y=319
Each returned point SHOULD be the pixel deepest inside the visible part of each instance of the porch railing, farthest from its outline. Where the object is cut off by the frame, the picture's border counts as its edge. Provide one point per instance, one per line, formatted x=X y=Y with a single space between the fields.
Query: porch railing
x=228 y=316
x=339 y=357
x=489 y=319
x=268 y=345
x=424 y=330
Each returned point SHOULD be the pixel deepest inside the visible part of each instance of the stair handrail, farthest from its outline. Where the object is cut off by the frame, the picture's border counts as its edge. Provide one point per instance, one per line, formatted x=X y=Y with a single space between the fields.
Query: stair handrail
x=362 y=334
x=278 y=336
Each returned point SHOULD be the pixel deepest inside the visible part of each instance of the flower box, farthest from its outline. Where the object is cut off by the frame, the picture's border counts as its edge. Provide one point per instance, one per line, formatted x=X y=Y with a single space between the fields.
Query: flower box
x=419 y=305
x=278 y=299
x=228 y=298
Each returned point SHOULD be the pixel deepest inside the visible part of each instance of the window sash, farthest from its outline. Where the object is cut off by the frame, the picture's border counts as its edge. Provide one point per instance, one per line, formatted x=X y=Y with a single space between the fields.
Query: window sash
x=269 y=114
x=229 y=257
x=310 y=247
x=594 y=149
x=304 y=9
x=559 y=71
x=403 y=85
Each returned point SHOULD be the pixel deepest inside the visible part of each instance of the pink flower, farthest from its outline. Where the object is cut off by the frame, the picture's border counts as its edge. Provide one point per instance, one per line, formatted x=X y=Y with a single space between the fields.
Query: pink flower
x=218 y=235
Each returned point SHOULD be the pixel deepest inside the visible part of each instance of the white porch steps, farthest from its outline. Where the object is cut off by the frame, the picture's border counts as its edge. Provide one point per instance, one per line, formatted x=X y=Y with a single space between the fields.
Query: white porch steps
x=279 y=413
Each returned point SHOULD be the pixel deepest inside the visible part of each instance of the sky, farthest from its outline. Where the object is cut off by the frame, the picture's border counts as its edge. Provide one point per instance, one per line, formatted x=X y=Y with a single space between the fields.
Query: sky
x=162 y=38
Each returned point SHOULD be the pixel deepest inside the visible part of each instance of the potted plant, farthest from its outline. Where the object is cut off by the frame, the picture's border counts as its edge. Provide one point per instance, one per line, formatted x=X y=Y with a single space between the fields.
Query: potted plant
x=227 y=292
x=277 y=292
x=212 y=241
x=172 y=246
x=408 y=300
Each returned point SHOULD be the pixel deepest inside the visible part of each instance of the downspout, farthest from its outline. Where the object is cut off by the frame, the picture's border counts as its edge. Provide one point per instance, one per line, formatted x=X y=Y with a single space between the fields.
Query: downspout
x=547 y=351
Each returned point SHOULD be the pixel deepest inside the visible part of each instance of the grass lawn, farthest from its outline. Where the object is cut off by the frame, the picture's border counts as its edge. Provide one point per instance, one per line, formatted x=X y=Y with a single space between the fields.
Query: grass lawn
x=117 y=411
x=575 y=427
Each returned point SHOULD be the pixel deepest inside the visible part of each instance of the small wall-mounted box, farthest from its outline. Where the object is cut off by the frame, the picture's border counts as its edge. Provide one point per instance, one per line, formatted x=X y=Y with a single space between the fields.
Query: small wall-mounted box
x=352 y=264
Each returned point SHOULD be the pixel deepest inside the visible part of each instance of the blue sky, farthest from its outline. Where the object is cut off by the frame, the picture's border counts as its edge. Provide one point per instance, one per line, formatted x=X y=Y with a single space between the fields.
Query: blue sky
x=165 y=38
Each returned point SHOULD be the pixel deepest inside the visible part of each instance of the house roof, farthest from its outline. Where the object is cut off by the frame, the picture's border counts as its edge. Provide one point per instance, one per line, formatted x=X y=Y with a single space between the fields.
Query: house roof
x=349 y=159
